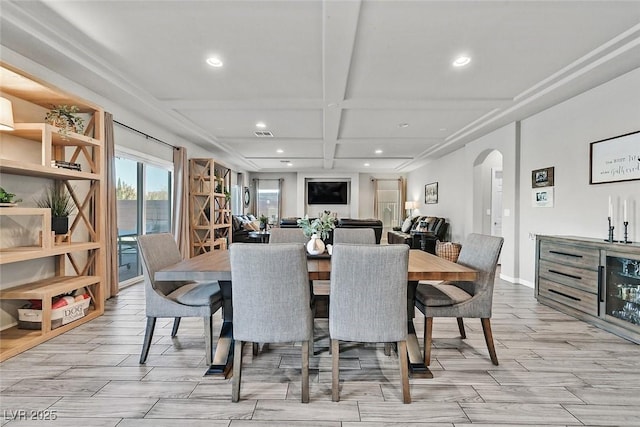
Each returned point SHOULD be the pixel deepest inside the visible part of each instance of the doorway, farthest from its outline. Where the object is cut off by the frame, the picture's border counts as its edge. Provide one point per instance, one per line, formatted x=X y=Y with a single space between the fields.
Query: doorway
x=488 y=210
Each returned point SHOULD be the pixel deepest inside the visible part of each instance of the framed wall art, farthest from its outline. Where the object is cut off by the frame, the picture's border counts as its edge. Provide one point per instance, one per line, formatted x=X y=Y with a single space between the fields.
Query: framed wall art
x=542 y=178
x=542 y=197
x=431 y=193
x=615 y=159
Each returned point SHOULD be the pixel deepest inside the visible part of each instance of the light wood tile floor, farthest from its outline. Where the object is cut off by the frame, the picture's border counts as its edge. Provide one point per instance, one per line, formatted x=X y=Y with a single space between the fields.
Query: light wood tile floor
x=554 y=371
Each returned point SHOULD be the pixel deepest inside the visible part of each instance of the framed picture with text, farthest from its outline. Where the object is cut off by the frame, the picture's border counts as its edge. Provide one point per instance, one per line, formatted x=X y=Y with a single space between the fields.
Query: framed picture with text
x=615 y=159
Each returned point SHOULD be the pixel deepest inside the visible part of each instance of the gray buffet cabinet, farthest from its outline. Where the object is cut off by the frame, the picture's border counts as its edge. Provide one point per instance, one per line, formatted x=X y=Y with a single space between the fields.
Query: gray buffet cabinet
x=592 y=280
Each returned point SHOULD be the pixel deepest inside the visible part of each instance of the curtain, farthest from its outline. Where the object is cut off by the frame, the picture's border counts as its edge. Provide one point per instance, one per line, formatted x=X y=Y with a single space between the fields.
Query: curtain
x=111 y=221
x=375 y=198
x=180 y=215
x=280 y=181
x=388 y=200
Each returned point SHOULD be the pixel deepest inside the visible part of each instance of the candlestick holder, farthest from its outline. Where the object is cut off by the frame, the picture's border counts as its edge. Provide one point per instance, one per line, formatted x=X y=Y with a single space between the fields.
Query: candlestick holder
x=611 y=227
x=626 y=224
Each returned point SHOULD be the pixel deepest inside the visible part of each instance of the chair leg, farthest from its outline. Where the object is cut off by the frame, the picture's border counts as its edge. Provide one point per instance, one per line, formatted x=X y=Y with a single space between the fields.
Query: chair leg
x=404 y=371
x=148 y=335
x=461 y=328
x=237 y=371
x=387 y=349
x=335 y=370
x=176 y=325
x=488 y=337
x=305 y=371
x=428 y=333
x=208 y=338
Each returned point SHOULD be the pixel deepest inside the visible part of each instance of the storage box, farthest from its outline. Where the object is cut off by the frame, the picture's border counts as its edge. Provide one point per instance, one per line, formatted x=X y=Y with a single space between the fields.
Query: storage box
x=29 y=318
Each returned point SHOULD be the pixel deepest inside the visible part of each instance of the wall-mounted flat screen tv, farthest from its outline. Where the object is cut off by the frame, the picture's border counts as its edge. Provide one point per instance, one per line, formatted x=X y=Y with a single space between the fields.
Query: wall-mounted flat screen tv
x=327 y=192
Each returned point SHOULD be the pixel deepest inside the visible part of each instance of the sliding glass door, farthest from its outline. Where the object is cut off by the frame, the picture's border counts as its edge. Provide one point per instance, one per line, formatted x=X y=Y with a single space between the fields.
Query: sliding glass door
x=143 y=193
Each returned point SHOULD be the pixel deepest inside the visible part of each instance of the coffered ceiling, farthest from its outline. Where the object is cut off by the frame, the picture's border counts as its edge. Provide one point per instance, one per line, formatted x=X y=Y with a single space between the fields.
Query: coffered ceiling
x=333 y=81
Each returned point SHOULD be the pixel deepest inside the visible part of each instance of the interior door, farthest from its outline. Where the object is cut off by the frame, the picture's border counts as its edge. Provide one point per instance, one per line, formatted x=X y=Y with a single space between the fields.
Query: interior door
x=496 y=202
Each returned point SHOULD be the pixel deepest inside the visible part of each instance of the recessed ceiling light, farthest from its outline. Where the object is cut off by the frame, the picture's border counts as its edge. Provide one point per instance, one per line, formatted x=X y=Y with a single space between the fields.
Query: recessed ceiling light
x=403 y=125
x=289 y=164
x=214 y=61
x=367 y=164
x=461 y=61
x=378 y=151
x=279 y=150
x=261 y=125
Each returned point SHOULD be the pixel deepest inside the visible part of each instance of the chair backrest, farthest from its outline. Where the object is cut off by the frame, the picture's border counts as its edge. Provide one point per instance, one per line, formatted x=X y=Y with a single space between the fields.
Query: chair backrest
x=157 y=252
x=287 y=235
x=481 y=252
x=354 y=235
x=271 y=297
x=369 y=292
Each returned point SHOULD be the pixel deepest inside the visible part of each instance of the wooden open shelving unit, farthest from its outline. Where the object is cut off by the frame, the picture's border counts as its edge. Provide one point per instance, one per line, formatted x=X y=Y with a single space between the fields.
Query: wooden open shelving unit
x=209 y=205
x=79 y=259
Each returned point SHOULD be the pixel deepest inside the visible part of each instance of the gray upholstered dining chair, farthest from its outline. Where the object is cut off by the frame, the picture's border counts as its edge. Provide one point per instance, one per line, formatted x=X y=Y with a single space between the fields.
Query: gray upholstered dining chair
x=174 y=299
x=270 y=301
x=369 y=302
x=464 y=299
x=287 y=235
x=292 y=235
x=354 y=235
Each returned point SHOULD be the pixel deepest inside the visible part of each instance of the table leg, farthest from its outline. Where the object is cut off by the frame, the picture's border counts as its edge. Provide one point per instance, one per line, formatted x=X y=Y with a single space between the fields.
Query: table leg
x=223 y=358
x=417 y=368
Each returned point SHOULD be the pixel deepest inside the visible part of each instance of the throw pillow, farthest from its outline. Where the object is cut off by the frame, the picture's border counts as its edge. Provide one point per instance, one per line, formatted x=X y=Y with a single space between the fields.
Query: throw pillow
x=448 y=250
x=251 y=226
x=406 y=225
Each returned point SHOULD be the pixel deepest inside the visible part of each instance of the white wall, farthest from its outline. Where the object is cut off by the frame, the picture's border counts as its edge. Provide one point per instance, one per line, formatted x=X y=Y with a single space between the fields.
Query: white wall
x=560 y=137
x=460 y=199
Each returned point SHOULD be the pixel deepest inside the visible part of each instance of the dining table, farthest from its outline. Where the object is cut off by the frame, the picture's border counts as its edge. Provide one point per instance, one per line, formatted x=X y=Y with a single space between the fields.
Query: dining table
x=215 y=266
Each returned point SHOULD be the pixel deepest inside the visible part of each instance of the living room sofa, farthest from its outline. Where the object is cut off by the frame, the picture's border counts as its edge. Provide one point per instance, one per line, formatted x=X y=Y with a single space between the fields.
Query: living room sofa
x=437 y=228
x=375 y=224
x=241 y=226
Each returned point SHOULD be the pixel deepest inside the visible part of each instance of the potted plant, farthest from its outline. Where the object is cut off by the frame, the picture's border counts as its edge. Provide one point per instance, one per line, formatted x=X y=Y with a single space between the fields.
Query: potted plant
x=263 y=222
x=7 y=199
x=321 y=226
x=58 y=199
x=64 y=117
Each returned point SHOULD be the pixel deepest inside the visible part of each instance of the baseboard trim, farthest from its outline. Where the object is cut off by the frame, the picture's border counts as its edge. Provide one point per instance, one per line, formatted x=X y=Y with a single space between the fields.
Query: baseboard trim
x=517 y=281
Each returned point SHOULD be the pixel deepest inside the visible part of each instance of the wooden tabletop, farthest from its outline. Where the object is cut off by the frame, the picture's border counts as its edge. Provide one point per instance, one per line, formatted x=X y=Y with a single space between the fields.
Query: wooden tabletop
x=215 y=265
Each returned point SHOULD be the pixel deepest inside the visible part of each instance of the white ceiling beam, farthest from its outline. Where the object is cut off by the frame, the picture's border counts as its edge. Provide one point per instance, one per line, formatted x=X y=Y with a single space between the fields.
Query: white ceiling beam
x=339 y=28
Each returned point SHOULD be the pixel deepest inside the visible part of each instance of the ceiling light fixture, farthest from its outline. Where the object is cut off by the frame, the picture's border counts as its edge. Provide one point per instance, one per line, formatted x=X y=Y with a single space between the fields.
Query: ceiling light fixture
x=367 y=164
x=461 y=61
x=403 y=125
x=261 y=125
x=378 y=151
x=279 y=150
x=215 y=62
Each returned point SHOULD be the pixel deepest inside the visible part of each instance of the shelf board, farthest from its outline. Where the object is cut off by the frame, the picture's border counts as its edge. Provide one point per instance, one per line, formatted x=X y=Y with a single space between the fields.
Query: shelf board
x=10 y=255
x=14 y=341
x=33 y=169
x=36 y=132
x=48 y=288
